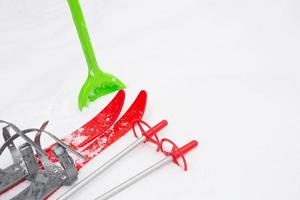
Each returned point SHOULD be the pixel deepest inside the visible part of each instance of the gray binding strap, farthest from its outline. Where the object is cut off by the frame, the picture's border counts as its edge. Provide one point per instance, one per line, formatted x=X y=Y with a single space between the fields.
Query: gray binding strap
x=36 y=190
x=25 y=164
x=17 y=171
x=26 y=138
x=37 y=138
x=59 y=142
x=44 y=160
x=67 y=163
x=26 y=131
x=15 y=154
x=51 y=178
x=30 y=162
x=45 y=181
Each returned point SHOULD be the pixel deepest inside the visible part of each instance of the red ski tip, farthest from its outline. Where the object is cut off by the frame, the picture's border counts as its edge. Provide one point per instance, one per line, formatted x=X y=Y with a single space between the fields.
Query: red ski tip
x=104 y=120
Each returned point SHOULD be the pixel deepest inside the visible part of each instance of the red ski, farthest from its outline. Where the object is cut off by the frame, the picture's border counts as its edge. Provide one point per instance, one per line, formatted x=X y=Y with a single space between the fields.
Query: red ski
x=100 y=123
x=100 y=140
x=120 y=128
x=95 y=136
x=96 y=126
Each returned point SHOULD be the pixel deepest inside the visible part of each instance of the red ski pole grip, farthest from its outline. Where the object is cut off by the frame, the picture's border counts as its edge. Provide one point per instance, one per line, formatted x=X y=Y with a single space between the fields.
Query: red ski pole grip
x=185 y=149
x=176 y=152
x=151 y=133
x=155 y=129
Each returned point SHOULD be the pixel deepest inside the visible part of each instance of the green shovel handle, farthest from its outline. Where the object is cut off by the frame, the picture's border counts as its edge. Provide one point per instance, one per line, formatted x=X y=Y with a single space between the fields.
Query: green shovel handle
x=83 y=34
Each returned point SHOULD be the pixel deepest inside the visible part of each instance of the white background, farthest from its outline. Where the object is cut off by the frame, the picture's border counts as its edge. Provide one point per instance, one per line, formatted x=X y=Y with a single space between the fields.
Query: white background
x=223 y=72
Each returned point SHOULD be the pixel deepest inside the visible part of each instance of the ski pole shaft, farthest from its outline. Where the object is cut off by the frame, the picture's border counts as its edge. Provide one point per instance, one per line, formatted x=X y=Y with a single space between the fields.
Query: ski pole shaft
x=172 y=156
x=101 y=169
x=134 y=179
x=110 y=162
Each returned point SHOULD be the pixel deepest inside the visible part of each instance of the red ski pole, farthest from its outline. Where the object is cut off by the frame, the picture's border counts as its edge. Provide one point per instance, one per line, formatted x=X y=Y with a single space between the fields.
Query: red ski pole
x=172 y=156
x=146 y=136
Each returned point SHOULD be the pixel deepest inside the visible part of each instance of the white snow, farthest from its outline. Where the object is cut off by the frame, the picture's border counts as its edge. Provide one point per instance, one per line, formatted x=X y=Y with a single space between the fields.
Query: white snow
x=223 y=72
x=79 y=139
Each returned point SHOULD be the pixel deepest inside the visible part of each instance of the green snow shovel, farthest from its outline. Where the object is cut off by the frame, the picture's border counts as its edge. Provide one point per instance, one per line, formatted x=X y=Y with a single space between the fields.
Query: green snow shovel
x=98 y=83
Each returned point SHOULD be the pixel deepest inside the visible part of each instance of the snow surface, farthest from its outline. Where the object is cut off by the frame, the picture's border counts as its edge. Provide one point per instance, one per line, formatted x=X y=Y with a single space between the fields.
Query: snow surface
x=223 y=72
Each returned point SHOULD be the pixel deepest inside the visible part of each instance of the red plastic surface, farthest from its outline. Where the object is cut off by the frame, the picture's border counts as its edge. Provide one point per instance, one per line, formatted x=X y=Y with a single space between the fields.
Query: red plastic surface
x=151 y=131
x=96 y=126
x=177 y=152
x=104 y=120
x=120 y=128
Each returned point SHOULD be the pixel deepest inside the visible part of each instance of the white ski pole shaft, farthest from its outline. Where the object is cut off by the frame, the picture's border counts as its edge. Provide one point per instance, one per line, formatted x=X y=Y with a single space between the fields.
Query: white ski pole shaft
x=110 y=162
x=101 y=169
x=172 y=156
x=134 y=179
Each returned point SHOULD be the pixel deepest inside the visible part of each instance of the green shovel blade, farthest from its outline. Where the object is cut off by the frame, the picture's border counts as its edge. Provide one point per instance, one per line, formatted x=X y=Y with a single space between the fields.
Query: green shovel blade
x=98 y=83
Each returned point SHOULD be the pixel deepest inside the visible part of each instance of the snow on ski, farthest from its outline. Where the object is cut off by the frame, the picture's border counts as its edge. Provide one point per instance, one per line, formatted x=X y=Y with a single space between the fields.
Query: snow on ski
x=120 y=128
x=99 y=124
x=92 y=138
